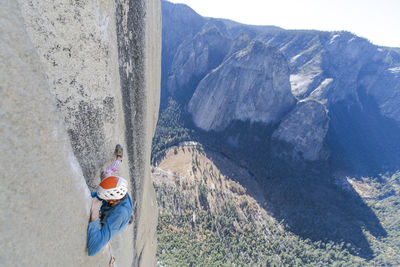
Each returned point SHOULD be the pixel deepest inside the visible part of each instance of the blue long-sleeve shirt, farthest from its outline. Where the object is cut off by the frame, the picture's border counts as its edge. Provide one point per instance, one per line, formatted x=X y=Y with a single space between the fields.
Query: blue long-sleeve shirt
x=114 y=220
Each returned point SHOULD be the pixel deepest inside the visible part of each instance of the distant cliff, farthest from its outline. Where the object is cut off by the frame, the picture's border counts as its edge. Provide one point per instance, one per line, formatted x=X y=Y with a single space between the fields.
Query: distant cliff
x=77 y=78
x=303 y=115
x=214 y=72
x=252 y=84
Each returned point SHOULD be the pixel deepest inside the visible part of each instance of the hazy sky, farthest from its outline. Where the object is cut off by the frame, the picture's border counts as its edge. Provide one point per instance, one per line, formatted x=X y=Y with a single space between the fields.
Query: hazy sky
x=376 y=20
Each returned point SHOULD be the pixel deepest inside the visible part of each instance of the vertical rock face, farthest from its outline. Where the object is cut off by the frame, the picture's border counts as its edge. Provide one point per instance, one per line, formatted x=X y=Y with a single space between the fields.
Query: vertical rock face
x=194 y=58
x=188 y=22
x=384 y=88
x=44 y=198
x=252 y=85
x=77 y=46
x=305 y=129
x=79 y=77
x=139 y=41
x=182 y=17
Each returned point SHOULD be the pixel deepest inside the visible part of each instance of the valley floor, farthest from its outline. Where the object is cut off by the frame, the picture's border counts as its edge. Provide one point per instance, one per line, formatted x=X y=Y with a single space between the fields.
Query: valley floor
x=214 y=213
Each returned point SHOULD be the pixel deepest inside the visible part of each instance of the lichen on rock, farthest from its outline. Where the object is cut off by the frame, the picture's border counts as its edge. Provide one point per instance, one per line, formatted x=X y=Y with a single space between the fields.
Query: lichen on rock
x=63 y=111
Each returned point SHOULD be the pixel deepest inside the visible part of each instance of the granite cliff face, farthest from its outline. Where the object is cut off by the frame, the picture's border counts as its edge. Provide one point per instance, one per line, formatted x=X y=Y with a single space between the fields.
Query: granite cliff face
x=356 y=81
x=175 y=18
x=79 y=77
x=194 y=58
x=253 y=84
x=339 y=67
x=305 y=129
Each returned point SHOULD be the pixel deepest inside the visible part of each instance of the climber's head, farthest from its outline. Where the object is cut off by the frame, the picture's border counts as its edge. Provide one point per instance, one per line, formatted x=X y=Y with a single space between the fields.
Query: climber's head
x=112 y=189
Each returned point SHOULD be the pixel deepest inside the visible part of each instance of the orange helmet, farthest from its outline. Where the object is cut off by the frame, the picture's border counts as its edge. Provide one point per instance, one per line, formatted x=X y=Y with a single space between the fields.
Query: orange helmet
x=112 y=188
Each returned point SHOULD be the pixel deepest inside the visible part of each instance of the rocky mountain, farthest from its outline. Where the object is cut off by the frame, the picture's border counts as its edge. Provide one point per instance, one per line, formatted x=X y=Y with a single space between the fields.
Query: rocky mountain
x=305 y=127
x=252 y=84
x=224 y=72
x=77 y=77
x=195 y=58
x=306 y=114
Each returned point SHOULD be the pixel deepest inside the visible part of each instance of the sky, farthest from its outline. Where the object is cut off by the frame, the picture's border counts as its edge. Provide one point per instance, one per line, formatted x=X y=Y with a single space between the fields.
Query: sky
x=376 y=20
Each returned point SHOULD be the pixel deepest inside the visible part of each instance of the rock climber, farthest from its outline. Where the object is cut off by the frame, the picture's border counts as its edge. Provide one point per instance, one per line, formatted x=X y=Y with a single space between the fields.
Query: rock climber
x=111 y=207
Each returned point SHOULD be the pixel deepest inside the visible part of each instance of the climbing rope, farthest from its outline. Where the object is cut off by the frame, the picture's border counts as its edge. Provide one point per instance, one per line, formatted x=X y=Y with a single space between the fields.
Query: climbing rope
x=112 y=259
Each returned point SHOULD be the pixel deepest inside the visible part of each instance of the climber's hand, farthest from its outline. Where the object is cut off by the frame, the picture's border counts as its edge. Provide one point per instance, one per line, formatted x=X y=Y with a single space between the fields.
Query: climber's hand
x=95 y=209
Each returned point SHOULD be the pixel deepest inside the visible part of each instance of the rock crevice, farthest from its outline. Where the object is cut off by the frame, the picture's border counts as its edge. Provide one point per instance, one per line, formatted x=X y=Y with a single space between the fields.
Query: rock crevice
x=80 y=77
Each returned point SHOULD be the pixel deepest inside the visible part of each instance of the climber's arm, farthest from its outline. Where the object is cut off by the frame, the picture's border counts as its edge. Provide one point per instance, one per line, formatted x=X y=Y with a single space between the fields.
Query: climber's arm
x=97 y=238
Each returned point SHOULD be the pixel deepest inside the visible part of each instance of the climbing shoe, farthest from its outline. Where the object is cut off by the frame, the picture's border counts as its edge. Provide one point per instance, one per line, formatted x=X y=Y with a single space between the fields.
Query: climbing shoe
x=119 y=151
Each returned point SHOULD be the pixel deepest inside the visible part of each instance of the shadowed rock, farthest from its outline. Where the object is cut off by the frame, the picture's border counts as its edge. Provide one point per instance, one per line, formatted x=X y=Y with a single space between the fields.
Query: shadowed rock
x=305 y=129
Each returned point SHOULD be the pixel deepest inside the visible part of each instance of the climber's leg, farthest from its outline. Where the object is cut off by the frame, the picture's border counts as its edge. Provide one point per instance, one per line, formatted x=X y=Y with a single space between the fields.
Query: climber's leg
x=110 y=170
